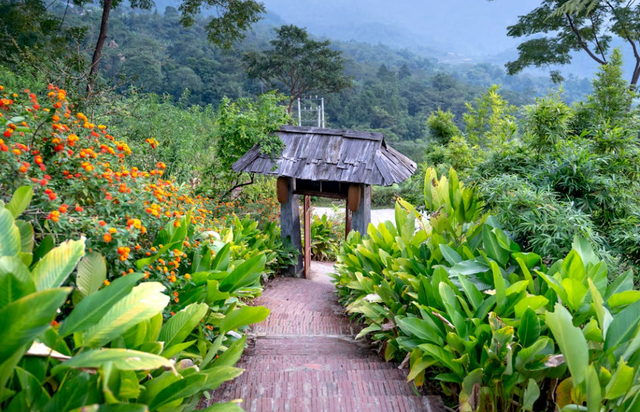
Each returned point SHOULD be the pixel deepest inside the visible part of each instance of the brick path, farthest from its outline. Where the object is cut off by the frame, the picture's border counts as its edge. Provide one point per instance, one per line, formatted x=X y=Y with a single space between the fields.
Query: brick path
x=304 y=358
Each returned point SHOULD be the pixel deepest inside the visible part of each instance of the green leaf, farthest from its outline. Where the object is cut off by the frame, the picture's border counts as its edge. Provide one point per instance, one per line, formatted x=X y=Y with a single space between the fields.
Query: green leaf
x=93 y=308
x=122 y=359
x=15 y=280
x=144 y=302
x=531 y=395
x=232 y=355
x=571 y=341
x=424 y=329
x=533 y=302
x=450 y=255
x=45 y=246
x=9 y=234
x=73 y=393
x=179 y=326
x=584 y=249
x=244 y=275
x=620 y=382
x=576 y=292
x=53 y=269
x=529 y=328
x=500 y=285
x=623 y=326
x=20 y=200
x=24 y=319
x=223 y=407
x=623 y=298
x=187 y=386
x=604 y=317
x=594 y=392
x=26 y=236
x=243 y=316
x=492 y=246
x=92 y=272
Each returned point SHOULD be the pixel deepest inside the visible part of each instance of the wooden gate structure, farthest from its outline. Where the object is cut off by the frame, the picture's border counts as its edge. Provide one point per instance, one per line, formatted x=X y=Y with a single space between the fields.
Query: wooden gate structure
x=340 y=164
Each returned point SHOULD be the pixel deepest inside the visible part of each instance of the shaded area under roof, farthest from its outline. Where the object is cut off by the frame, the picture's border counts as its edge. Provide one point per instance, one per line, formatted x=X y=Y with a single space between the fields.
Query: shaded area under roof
x=312 y=153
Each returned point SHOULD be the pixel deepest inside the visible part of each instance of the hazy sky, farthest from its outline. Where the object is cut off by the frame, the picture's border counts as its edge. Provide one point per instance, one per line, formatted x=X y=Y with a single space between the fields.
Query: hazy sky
x=465 y=26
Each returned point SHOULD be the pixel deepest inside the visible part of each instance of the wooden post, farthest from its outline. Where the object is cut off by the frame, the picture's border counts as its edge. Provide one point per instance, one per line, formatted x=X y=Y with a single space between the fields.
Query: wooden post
x=347 y=219
x=307 y=234
x=362 y=216
x=290 y=227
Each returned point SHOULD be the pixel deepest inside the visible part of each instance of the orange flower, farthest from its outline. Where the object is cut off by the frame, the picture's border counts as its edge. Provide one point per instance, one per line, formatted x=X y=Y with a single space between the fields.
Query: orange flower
x=107 y=237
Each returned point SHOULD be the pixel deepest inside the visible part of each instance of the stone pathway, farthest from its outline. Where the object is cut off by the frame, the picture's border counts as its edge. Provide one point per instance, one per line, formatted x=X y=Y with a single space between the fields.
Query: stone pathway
x=304 y=358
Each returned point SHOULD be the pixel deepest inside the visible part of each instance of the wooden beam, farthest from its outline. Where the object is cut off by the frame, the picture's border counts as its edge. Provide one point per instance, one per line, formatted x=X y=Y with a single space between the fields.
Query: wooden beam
x=290 y=227
x=320 y=194
x=347 y=219
x=362 y=216
x=307 y=235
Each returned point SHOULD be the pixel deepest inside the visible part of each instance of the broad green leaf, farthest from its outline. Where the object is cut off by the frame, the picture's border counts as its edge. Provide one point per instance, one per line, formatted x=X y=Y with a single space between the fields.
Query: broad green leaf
x=533 y=302
x=223 y=407
x=212 y=352
x=450 y=255
x=93 y=308
x=9 y=234
x=179 y=326
x=244 y=275
x=74 y=393
x=115 y=407
x=26 y=236
x=571 y=341
x=45 y=246
x=424 y=329
x=177 y=348
x=92 y=272
x=576 y=292
x=623 y=298
x=500 y=286
x=573 y=267
x=531 y=395
x=529 y=328
x=243 y=316
x=232 y=355
x=623 y=326
x=24 y=319
x=604 y=317
x=20 y=200
x=187 y=386
x=218 y=375
x=620 y=382
x=15 y=280
x=144 y=302
x=594 y=392
x=492 y=246
x=584 y=249
x=53 y=269
x=122 y=359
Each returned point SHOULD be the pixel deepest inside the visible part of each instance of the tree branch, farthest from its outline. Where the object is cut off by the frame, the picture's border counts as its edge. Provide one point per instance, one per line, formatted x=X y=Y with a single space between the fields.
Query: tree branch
x=595 y=36
x=582 y=42
x=636 y=71
x=237 y=186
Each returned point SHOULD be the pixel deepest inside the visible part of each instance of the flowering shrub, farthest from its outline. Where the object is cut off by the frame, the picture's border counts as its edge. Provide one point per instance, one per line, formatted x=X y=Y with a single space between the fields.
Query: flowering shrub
x=83 y=185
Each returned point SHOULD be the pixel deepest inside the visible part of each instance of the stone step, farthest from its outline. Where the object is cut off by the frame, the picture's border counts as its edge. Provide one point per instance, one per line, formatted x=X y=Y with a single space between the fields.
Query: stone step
x=343 y=404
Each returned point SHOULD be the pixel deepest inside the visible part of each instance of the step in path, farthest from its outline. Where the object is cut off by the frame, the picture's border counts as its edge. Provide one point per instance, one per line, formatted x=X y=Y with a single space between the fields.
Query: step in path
x=304 y=358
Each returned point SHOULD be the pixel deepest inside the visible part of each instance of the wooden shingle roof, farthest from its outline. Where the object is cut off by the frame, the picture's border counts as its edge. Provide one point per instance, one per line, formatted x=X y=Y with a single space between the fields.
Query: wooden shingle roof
x=312 y=153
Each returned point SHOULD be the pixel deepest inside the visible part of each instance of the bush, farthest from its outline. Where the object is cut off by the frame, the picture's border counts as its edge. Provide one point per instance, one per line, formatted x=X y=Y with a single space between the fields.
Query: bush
x=114 y=348
x=496 y=328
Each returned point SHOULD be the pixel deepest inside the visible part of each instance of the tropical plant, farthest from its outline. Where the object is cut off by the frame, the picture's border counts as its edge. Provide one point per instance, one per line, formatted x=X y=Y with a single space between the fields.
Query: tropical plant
x=463 y=305
x=113 y=350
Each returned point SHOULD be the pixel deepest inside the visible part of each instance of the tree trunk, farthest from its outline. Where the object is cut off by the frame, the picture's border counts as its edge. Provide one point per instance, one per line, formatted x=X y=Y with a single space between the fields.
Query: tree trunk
x=635 y=76
x=97 y=53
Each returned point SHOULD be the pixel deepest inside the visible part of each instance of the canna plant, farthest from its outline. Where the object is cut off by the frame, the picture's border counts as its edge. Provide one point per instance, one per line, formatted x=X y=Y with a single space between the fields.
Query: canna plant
x=463 y=306
x=114 y=350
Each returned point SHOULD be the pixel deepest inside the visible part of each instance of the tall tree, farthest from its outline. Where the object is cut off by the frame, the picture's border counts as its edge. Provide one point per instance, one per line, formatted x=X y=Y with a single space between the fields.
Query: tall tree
x=576 y=25
x=298 y=64
x=233 y=18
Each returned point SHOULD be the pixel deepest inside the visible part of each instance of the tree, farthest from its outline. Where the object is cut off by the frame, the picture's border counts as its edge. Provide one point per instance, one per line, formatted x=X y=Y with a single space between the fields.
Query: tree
x=233 y=18
x=576 y=25
x=298 y=64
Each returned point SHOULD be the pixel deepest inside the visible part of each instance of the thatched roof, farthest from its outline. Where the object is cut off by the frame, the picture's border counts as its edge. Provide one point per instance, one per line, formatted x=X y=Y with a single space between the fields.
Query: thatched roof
x=313 y=153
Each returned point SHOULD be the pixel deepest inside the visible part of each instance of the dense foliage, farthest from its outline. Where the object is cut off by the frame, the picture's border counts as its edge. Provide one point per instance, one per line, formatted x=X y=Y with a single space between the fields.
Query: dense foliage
x=494 y=327
x=556 y=171
x=145 y=268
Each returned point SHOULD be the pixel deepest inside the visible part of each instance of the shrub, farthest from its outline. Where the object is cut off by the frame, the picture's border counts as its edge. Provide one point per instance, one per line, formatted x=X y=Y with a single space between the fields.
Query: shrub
x=113 y=349
x=497 y=328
